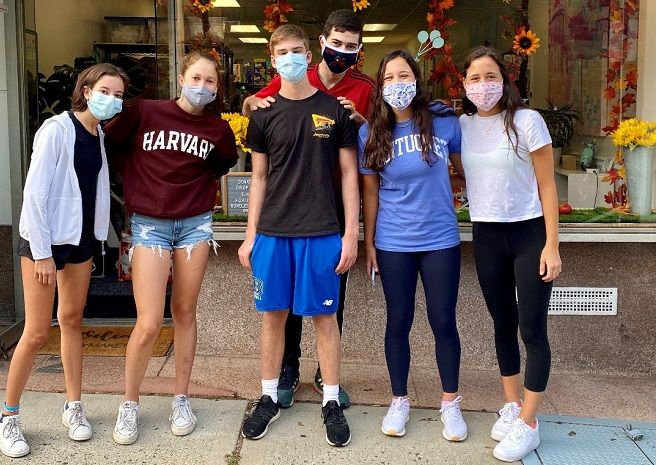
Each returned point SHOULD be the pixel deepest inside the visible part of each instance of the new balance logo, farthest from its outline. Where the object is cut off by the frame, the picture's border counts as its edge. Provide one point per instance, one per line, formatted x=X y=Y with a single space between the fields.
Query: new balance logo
x=328 y=302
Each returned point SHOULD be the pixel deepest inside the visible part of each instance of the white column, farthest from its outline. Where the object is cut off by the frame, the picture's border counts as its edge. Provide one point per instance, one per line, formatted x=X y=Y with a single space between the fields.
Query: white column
x=646 y=98
x=5 y=184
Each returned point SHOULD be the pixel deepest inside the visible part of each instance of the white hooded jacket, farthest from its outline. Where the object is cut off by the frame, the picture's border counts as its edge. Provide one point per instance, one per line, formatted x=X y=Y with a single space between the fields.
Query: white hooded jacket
x=52 y=201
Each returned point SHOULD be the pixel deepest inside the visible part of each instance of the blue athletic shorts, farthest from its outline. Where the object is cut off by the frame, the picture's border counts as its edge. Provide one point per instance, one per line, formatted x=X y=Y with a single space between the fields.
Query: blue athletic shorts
x=296 y=273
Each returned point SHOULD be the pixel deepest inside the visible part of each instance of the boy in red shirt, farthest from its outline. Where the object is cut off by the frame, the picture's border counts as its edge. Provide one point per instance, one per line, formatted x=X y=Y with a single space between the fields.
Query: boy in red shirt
x=340 y=43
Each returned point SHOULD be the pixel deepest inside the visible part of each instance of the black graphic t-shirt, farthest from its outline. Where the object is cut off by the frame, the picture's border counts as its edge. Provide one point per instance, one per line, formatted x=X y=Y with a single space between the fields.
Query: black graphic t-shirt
x=302 y=139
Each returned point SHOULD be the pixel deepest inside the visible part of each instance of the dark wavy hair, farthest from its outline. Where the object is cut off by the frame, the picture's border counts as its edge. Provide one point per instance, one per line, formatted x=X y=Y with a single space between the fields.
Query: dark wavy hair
x=378 y=147
x=510 y=101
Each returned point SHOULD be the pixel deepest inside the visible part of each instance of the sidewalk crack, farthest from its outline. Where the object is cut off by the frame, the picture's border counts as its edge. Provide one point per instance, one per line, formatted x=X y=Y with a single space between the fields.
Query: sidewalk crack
x=234 y=458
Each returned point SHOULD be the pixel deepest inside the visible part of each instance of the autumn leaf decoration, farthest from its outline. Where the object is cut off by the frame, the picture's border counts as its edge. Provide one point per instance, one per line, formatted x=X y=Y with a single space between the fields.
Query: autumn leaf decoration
x=274 y=14
x=622 y=76
x=621 y=89
x=359 y=5
x=445 y=69
x=200 y=7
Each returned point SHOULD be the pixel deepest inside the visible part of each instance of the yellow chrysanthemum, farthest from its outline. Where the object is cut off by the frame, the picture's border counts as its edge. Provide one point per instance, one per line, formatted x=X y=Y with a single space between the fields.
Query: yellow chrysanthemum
x=634 y=133
x=526 y=43
x=239 y=125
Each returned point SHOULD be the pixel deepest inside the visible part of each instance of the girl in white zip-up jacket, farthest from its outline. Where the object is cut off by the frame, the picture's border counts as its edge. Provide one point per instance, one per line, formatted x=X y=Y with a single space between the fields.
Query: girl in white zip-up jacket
x=65 y=209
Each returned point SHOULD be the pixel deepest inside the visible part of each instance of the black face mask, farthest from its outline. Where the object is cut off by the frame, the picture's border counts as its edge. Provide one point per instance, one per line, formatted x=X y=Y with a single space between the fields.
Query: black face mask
x=338 y=61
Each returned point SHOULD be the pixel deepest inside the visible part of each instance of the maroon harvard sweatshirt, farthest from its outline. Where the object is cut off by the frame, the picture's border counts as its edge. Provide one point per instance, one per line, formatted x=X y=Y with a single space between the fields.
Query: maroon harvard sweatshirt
x=169 y=159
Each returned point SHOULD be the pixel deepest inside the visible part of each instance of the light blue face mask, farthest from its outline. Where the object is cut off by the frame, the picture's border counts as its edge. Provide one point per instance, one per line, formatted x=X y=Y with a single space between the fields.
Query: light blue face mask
x=400 y=94
x=198 y=96
x=292 y=66
x=103 y=106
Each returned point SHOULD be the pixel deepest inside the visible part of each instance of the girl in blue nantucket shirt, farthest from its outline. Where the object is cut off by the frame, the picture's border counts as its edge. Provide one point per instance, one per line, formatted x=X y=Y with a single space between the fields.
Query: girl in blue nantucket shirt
x=410 y=228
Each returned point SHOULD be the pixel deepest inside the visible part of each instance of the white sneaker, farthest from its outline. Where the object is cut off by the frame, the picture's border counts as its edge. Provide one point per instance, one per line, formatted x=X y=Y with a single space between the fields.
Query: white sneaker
x=507 y=416
x=74 y=419
x=183 y=420
x=12 y=442
x=126 y=430
x=396 y=418
x=455 y=428
x=519 y=442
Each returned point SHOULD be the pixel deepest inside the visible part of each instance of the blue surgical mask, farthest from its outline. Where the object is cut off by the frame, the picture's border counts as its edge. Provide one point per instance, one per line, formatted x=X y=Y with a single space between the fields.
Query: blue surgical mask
x=400 y=94
x=103 y=106
x=292 y=67
x=198 y=96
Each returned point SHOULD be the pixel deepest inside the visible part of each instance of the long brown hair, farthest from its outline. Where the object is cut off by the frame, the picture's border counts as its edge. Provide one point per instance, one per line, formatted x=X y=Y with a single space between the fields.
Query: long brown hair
x=89 y=77
x=510 y=101
x=378 y=148
x=215 y=107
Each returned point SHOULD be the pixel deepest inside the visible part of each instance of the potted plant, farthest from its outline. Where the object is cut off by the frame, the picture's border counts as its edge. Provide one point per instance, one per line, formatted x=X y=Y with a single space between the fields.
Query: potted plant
x=560 y=122
x=638 y=140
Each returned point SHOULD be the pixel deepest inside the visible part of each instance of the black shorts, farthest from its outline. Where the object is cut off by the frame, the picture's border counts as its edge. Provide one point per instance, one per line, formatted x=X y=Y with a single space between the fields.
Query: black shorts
x=63 y=254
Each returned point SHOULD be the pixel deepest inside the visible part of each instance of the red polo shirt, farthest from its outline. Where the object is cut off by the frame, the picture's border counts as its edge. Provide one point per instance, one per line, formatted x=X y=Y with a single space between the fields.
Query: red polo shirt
x=355 y=86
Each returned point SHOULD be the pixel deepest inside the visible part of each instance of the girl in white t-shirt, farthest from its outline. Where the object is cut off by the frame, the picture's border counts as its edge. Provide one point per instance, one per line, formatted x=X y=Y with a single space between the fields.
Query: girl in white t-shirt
x=508 y=162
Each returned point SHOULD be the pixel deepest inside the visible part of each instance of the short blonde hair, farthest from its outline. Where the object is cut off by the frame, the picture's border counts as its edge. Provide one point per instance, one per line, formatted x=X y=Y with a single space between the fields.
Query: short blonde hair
x=288 y=31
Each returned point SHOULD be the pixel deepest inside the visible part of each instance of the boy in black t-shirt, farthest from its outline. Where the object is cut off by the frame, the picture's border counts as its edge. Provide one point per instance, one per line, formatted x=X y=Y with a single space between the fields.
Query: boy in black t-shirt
x=292 y=238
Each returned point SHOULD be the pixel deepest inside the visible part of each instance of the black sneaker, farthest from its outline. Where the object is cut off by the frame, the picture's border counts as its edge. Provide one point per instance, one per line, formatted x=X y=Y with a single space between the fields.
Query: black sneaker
x=257 y=423
x=287 y=386
x=338 y=433
x=344 y=399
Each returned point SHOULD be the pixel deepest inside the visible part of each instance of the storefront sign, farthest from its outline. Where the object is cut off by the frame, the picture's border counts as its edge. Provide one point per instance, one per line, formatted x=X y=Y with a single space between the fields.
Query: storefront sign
x=235 y=188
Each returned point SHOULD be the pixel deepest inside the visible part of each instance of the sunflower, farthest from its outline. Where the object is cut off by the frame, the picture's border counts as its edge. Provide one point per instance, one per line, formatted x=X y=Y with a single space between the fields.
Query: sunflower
x=526 y=43
x=360 y=5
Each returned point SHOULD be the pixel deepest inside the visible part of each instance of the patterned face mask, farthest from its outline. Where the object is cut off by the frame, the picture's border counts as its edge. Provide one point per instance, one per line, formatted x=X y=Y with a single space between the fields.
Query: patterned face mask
x=485 y=95
x=400 y=94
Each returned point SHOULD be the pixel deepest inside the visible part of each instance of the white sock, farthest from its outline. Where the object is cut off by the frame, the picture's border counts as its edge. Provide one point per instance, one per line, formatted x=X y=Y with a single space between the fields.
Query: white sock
x=270 y=388
x=330 y=392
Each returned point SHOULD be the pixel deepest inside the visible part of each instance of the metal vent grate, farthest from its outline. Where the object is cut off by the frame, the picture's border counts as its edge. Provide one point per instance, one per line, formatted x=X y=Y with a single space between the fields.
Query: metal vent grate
x=583 y=301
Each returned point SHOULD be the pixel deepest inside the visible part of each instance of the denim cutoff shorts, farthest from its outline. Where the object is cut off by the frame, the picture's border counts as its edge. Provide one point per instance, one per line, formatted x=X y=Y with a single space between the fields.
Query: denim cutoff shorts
x=168 y=234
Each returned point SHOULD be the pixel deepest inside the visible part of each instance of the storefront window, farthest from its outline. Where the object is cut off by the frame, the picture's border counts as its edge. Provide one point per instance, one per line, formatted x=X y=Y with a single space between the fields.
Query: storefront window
x=582 y=74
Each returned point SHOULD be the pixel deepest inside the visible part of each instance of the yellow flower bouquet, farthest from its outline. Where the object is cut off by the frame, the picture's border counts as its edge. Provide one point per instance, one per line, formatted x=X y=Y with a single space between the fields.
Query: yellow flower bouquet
x=634 y=133
x=239 y=124
x=638 y=139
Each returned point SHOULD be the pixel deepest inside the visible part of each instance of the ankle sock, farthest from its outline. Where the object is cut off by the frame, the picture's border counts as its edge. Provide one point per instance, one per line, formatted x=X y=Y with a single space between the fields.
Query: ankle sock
x=330 y=392
x=270 y=388
x=11 y=410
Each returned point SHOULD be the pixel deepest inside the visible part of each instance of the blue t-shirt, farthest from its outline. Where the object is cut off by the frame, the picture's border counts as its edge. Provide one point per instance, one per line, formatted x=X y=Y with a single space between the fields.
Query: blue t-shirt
x=415 y=200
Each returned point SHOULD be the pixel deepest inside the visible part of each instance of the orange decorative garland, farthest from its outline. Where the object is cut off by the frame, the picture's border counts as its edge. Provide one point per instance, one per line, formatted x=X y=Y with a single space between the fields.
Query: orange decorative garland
x=445 y=70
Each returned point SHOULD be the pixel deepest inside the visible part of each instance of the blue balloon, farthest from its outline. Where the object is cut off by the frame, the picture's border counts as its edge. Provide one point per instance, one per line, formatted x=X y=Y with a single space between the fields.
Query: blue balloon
x=438 y=42
x=422 y=36
x=434 y=35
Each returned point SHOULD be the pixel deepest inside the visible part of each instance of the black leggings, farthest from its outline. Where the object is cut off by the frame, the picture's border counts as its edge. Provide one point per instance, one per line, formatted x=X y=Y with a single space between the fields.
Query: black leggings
x=507 y=258
x=440 y=275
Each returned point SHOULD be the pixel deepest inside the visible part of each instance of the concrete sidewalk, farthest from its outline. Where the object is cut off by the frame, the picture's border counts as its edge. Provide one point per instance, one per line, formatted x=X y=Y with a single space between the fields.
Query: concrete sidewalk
x=221 y=387
x=296 y=438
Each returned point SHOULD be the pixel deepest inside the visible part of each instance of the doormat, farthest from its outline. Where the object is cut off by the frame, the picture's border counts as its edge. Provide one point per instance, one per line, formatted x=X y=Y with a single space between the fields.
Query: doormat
x=109 y=341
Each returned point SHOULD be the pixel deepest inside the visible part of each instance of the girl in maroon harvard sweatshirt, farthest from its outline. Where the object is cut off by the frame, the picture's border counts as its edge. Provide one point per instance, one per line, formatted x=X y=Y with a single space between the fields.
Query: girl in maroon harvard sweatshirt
x=170 y=154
